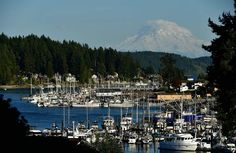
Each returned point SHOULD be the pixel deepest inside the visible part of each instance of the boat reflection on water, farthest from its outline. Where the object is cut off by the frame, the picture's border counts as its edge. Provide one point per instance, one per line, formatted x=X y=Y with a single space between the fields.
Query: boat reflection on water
x=151 y=148
x=134 y=148
x=147 y=148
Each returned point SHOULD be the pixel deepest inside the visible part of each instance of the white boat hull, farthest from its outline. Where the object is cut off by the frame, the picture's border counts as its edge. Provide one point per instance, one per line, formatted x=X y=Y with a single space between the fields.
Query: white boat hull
x=121 y=105
x=182 y=146
x=132 y=141
x=86 y=105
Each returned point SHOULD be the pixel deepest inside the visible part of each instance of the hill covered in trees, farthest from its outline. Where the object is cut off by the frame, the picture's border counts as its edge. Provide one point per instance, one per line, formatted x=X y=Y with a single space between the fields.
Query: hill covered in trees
x=41 y=55
x=33 y=54
x=190 y=66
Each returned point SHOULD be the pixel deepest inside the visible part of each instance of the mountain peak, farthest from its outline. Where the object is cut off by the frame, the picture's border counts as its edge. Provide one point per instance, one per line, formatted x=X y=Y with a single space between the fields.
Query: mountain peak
x=164 y=36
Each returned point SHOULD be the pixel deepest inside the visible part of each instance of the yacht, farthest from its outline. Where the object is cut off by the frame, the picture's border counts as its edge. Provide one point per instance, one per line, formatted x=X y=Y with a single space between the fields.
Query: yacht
x=231 y=147
x=227 y=148
x=204 y=144
x=180 y=142
x=132 y=138
x=108 y=123
x=126 y=123
x=146 y=139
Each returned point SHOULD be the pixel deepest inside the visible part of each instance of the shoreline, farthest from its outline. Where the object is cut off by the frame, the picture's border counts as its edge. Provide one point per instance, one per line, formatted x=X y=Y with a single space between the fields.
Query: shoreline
x=5 y=87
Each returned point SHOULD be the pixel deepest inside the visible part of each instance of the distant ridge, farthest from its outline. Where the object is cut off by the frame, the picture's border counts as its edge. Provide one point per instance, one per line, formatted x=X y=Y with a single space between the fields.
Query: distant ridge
x=191 y=66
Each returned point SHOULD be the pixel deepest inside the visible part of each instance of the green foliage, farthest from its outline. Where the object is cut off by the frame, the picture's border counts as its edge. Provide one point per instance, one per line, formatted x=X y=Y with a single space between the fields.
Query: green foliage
x=108 y=145
x=170 y=73
x=190 y=66
x=42 y=55
x=127 y=67
x=149 y=70
x=8 y=66
x=13 y=124
x=223 y=71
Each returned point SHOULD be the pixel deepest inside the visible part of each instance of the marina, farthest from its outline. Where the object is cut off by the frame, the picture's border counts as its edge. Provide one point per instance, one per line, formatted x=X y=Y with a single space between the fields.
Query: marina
x=107 y=77
x=138 y=131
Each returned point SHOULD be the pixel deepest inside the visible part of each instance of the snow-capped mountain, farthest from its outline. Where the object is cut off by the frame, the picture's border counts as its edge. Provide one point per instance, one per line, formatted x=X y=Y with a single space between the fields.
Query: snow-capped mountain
x=164 y=36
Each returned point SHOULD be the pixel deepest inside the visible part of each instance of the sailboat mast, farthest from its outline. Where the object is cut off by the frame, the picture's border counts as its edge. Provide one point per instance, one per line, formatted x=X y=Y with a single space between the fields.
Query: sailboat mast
x=108 y=110
x=68 y=115
x=181 y=112
x=137 y=112
x=64 y=116
x=87 y=116
x=149 y=117
x=121 y=113
x=31 y=93
x=195 y=117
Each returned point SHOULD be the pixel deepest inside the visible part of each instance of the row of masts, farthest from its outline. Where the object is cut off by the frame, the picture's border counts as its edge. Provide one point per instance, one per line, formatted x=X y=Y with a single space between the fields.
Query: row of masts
x=130 y=128
x=66 y=94
x=128 y=131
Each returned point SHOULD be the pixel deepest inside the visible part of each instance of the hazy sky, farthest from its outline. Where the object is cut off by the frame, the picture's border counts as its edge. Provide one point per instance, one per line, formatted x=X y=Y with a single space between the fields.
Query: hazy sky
x=106 y=22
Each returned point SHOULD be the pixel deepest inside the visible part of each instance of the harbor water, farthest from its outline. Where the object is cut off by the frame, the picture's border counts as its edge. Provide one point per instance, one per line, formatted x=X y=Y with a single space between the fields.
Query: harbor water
x=43 y=117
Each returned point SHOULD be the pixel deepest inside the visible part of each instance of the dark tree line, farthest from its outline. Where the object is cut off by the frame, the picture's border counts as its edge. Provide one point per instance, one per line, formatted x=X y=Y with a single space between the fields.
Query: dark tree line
x=222 y=73
x=171 y=74
x=45 y=56
x=14 y=125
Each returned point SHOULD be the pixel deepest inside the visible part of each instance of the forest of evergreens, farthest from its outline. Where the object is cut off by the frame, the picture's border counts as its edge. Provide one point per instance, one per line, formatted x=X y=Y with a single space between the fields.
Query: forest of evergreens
x=190 y=66
x=33 y=54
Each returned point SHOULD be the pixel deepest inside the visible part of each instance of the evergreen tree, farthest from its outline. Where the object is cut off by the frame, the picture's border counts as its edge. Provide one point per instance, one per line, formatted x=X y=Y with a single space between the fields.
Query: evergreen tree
x=109 y=60
x=8 y=67
x=14 y=127
x=170 y=73
x=101 y=68
x=33 y=54
x=223 y=70
x=149 y=70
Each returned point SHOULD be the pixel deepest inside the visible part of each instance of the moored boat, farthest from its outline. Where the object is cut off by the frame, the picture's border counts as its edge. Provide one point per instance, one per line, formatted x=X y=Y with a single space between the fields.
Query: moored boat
x=181 y=142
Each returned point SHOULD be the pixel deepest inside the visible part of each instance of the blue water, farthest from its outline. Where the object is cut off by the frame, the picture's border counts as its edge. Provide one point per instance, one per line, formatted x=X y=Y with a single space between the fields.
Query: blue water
x=43 y=117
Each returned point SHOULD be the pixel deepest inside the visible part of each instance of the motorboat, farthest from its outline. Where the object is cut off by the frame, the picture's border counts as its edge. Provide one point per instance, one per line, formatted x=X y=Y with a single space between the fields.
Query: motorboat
x=181 y=142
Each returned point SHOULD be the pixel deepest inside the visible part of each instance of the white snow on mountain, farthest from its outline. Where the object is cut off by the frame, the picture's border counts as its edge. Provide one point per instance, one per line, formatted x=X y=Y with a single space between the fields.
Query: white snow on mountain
x=164 y=36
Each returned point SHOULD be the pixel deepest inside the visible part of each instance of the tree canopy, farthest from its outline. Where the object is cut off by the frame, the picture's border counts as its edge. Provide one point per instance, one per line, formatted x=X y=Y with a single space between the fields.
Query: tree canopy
x=13 y=125
x=170 y=73
x=33 y=54
x=223 y=70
